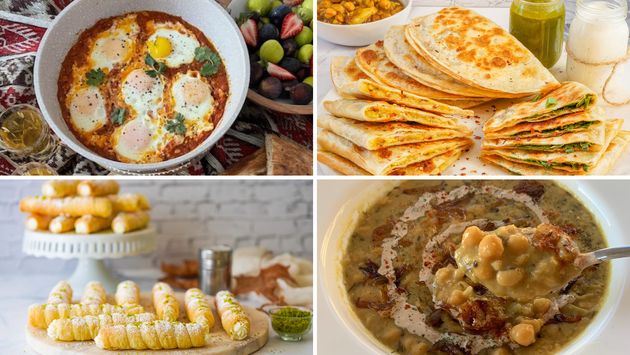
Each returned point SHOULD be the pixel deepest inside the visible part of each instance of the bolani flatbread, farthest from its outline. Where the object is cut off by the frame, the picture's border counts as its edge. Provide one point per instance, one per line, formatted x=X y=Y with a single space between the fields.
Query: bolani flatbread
x=375 y=136
x=381 y=111
x=405 y=57
x=569 y=98
x=590 y=140
x=386 y=160
x=574 y=122
x=339 y=164
x=433 y=166
x=375 y=64
x=478 y=52
x=604 y=165
x=344 y=74
x=577 y=162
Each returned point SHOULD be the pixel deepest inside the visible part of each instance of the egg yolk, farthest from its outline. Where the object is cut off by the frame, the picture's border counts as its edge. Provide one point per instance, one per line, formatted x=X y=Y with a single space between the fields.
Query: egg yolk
x=136 y=136
x=195 y=92
x=160 y=48
x=86 y=103
x=115 y=49
x=139 y=80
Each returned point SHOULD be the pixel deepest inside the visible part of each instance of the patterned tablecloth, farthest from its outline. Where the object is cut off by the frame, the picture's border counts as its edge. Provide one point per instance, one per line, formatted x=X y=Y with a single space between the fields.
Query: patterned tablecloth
x=22 y=26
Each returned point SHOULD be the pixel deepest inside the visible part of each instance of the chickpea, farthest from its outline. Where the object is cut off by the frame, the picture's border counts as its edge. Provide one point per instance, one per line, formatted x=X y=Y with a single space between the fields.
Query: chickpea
x=384 y=4
x=339 y=18
x=523 y=334
x=518 y=243
x=484 y=272
x=325 y=3
x=491 y=247
x=536 y=323
x=457 y=297
x=443 y=275
x=509 y=278
x=369 y=3
x=330 y=13
x=471 y=237
x=541 y=305
x=348 y=5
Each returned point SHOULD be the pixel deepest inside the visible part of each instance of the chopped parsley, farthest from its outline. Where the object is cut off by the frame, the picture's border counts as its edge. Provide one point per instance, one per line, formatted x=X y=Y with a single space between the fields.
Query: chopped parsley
x=536 y=98
x=176 y=125
x=551 y=101
x=158 y=68
x=211 y=59
x=118 y=116
x=95 y=77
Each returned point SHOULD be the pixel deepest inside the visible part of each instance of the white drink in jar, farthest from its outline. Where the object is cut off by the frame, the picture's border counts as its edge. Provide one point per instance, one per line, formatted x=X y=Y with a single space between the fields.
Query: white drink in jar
x=598 y=34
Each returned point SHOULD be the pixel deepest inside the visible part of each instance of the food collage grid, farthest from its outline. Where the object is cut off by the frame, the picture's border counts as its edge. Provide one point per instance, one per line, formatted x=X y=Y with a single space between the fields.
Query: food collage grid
x=302 y=177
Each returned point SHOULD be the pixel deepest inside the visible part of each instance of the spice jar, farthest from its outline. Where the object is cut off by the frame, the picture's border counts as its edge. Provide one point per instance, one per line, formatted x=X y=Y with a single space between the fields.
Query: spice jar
x=539 y=25
x=598 y=39
x=215 y=272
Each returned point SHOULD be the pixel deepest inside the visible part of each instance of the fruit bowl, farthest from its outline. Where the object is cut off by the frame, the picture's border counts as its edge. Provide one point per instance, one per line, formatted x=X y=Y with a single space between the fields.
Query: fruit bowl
x=280 y=45
x=283 y=105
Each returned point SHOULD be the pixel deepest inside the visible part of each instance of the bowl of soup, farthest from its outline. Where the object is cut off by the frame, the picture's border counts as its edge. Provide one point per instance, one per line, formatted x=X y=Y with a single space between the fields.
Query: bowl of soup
x=407 y=238
x=141 y=86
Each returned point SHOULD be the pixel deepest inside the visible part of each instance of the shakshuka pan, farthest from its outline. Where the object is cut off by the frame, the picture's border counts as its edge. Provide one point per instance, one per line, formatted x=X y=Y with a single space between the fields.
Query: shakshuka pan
x=142 y=87
x=478 y=267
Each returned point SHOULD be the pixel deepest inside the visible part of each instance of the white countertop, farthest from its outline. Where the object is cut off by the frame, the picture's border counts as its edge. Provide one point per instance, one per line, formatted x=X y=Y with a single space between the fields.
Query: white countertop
x=334 y=338
x=19 y=291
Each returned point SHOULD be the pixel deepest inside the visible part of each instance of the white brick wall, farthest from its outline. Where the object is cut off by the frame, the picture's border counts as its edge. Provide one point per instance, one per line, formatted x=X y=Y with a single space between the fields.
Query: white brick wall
x=188 y=214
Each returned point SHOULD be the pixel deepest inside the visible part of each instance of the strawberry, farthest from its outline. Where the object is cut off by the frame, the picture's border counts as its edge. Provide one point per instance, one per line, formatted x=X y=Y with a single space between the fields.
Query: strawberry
x=292 y=3
x=291 y=25
x=249 y=29
x=279 y=72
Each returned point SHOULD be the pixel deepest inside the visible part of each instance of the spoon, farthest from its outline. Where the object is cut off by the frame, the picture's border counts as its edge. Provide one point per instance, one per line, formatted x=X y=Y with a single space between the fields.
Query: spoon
x=595 y=257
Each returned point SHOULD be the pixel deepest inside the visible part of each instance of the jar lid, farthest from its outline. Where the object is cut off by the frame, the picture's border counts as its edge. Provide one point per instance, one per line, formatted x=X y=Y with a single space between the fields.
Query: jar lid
x=217 y=255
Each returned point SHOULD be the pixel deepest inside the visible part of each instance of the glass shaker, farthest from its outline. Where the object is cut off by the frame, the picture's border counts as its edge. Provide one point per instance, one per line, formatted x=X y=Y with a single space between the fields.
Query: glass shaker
x=215 y=272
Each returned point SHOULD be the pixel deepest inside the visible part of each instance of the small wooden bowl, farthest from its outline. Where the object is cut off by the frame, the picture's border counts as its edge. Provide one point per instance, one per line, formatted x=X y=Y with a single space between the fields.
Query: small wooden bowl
x=279 y=106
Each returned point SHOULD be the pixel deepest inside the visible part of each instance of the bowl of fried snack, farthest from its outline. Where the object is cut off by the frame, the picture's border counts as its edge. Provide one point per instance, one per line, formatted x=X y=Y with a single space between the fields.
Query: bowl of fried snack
x=359 y=22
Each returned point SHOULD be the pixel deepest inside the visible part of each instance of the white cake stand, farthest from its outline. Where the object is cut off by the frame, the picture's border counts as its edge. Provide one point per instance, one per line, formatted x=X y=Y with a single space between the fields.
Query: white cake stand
x=91 y=250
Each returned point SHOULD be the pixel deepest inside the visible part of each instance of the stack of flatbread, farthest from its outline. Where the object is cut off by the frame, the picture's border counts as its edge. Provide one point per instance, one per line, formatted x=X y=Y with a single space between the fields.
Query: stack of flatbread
x=85 y=207
x=404 y=97
x=558 y=134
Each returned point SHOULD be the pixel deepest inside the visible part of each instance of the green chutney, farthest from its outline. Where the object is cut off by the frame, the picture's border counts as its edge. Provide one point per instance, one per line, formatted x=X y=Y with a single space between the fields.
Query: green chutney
x=539 y=25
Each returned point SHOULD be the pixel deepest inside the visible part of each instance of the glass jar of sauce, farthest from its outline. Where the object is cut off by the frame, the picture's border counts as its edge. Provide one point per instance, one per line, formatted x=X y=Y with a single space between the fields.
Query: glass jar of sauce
x=539 y=25
x=598 y=38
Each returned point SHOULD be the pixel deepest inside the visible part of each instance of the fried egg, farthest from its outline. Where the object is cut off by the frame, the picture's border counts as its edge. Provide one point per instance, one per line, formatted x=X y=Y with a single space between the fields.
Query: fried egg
x=192 y=96
x=87 y=109
x=142 y=92
x=172 y=46
x=137 y=140
x=115 y=45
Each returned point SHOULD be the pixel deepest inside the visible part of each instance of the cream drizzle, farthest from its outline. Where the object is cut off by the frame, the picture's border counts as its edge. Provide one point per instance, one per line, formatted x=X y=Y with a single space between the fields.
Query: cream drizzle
x=408 y=316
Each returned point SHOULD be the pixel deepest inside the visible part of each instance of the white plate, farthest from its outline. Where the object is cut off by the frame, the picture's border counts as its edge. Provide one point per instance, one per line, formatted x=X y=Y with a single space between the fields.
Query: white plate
x=338 y=205
x=206 y=15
